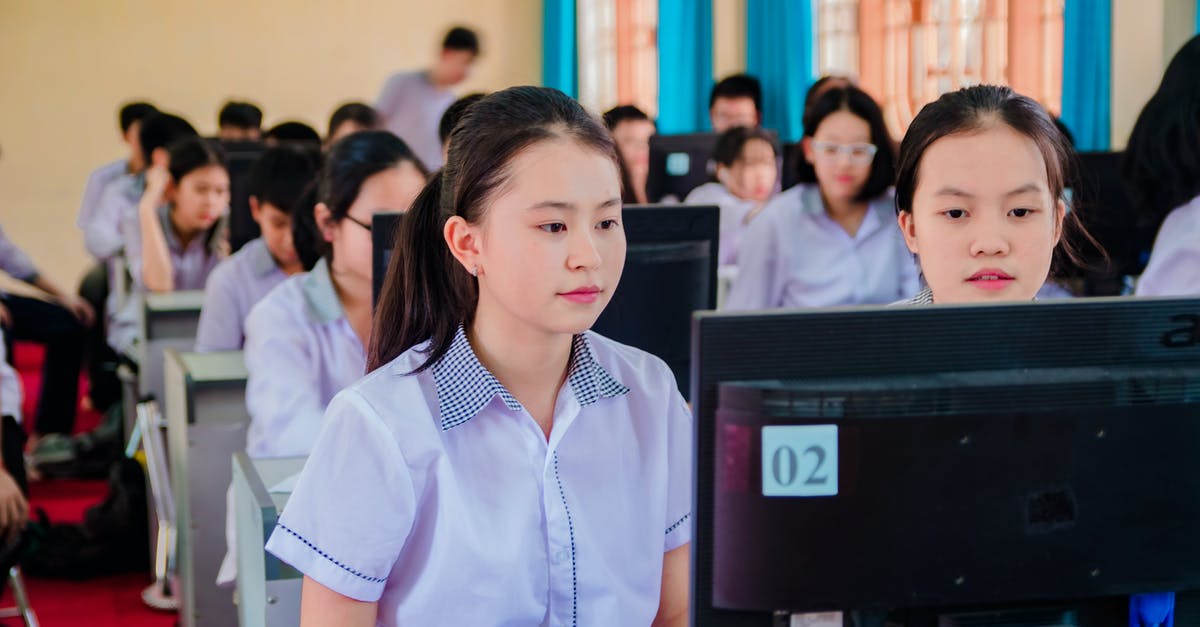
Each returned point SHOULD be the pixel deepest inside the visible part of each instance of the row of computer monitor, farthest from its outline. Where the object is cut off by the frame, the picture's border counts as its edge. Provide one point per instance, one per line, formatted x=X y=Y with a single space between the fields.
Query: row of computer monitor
x=1019 y=464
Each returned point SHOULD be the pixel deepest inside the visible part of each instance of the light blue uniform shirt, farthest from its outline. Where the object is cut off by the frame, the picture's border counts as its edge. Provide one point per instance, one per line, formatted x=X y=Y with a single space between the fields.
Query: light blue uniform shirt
x=733 y=216
x=98 y=180
x=14 y=261
x=233 y=288
x=116 y=205
x=439 y=496
x=1174 y=267
x=412 y=107
x=300 y=351
x=10 y=385
x=795 y=255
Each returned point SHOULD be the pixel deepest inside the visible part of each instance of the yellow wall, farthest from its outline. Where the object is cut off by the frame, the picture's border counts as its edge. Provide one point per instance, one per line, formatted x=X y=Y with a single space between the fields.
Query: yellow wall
x=67 y=65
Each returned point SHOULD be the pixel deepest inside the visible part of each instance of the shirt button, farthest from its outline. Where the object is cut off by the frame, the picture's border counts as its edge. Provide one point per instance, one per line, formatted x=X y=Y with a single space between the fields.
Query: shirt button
x=561 y=556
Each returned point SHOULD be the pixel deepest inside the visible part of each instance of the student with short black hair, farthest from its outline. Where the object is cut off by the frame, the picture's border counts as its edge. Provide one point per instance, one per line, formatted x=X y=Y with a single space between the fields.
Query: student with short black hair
x=130 y=119
x=277 y=185
x=411 y=103
x=451 y=117
x=351 y=117
x=735 y=100
x=833 y=242
x=746 y=176
x=239 y=122
x=496 y=435
x=292 y=132
x=1162 y=174
x=631 y=129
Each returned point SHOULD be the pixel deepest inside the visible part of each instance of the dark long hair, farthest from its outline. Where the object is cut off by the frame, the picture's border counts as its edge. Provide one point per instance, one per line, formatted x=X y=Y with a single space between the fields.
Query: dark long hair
x=427 y=294
x=351 y=161
x=188 y=154
x=1162 y=159
x=979 y=107
x=862 y=105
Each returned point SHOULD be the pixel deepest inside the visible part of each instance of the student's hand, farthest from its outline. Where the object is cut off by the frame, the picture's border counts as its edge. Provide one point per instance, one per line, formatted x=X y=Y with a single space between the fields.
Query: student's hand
x=14 y=509
x=79 y=308
x=5 y=317
x=156 y=182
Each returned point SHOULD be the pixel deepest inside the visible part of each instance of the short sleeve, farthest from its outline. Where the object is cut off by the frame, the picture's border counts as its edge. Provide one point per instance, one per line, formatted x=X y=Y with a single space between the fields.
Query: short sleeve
x=353 y=507
x=221 y=326
x=678 y=525
x=760 y=262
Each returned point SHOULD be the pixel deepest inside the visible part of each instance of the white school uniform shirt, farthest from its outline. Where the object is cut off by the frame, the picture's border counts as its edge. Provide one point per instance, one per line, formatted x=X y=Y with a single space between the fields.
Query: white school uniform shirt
x=10 y=385
x=190 y=267
x=411 y=106
x=116 y=205
x=97 y=181
x=1174 y=267
x=437 y=495
x=233 y=288
x=794 y=255
x=300 y=351
x=733 y=216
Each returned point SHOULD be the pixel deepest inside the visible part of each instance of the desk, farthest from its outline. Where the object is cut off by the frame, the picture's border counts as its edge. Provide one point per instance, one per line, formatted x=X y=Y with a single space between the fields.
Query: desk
x=206 y=424
x=268 y=589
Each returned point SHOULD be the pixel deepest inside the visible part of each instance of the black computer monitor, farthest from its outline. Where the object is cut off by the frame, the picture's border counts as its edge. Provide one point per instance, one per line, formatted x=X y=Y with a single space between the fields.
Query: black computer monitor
x=1125 y=233
x=947 y=461
x=670 y=272
x=679 y=164
x=383 y=239
x=241 y=156
x=793 y=157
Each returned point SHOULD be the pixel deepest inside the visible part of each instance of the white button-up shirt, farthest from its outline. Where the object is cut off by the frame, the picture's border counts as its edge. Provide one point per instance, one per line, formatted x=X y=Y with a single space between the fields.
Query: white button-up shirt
x=233 y=288
x=1174 y=267
x=437 y=495
x=795 y=255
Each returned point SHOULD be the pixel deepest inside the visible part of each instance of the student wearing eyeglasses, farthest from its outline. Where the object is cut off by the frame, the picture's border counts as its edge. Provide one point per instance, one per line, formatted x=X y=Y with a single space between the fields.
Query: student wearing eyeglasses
x=832 y=242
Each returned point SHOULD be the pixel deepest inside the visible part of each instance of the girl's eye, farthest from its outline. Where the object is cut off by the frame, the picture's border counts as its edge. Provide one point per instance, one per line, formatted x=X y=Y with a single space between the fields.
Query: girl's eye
x=555 y=227
x=608 y=224
x=954 y=214
x=1020 y=212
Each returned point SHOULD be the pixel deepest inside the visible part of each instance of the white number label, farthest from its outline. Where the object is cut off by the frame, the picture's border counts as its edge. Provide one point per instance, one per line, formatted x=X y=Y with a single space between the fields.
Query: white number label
x=800 y=460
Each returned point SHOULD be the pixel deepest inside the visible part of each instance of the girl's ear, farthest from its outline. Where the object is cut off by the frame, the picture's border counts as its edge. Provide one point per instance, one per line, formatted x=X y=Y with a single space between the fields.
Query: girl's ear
x=324 y=219
x=463 y=240
x=806 y=146
x=909 y=230
x=170 y=192
x=1060 y=214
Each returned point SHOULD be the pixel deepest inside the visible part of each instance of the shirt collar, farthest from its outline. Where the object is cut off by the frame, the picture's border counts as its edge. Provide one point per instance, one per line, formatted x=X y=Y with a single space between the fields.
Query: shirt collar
x=261 y=261
x=464 y=386
x=323 y=303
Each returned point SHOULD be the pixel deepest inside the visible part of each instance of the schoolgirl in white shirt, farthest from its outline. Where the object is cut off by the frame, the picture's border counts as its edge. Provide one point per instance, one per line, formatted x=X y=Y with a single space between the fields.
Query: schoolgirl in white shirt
x=501 y=464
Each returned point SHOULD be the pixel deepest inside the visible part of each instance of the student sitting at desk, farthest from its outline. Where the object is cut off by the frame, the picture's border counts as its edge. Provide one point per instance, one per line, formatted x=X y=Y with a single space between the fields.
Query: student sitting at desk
x=277 y=185
x=501 y=465
x=177 y=236
x=307 y=339
x=746 y=175
x=1162 y=171
x=835 y=242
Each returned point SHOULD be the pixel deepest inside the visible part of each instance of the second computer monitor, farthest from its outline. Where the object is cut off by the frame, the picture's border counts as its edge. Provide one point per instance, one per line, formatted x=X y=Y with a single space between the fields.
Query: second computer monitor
x=383 y=239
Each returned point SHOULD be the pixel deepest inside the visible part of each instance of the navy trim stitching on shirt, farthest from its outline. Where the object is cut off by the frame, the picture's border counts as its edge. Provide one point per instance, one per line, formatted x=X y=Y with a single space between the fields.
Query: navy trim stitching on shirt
x=326 y=556
x=677 y=523
x=571 y=532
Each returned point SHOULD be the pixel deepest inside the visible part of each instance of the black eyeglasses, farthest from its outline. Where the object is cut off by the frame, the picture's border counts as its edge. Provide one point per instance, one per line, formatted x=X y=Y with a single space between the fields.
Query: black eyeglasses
x=355 y=220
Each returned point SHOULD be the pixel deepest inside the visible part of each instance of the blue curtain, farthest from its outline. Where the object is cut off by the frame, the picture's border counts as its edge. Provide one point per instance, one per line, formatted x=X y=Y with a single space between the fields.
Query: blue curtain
x=1087 y=71
x=1198 y=17
x=560 y=59
x=685 y=62
x=781 y=52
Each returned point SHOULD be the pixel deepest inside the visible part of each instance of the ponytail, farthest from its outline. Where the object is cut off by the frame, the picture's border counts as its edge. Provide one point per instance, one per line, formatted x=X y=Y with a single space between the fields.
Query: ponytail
x=426 y=292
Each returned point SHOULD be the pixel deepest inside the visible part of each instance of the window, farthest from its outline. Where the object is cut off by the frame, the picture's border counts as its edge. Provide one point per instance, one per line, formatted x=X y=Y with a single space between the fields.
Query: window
x=618 y=54
x=908 y=52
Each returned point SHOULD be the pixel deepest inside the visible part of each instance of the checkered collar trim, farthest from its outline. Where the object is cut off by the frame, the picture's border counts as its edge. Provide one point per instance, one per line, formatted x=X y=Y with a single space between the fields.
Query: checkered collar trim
x=464 y=386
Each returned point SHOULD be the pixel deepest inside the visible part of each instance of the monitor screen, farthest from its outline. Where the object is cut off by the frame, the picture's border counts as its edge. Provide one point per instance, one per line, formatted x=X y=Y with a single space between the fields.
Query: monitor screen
x=383 y=239
x=946 y=459
x=679 y=164
x=670 y=272
x=241 y=156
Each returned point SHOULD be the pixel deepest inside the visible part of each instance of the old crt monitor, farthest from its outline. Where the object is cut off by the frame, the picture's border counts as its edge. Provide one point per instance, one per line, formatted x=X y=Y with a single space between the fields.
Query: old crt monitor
x=679 y=164
x=670 y=272
x=1033 y=460
x=384 y=226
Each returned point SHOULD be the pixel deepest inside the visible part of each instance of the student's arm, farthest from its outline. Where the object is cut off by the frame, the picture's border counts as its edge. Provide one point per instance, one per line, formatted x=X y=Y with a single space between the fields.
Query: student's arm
x=77 y=306
x=320 y=606
x=389 y=97
x=220 y=327
x=673 y=600
x=1172 y=270
x=97 y=181
x=102 y=231
x=762 y=266
x=16 y=263
x=156 y=270
x=14 y=509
